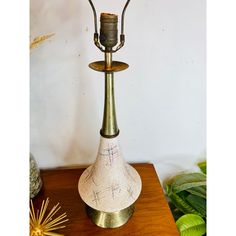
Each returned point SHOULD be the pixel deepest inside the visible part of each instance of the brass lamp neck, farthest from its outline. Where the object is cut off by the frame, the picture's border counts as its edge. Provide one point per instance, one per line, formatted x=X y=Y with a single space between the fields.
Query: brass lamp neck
x=109 y=125
x=107 y=42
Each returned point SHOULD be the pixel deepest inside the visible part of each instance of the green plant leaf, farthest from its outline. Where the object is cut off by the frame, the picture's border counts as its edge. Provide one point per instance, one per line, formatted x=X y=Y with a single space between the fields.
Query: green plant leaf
x=202 y=166
x=187 y=181
x=175 y=211
x=198 y=203
x=191 y=225
x=198 y=191
x=180 y=203
x=183 y=194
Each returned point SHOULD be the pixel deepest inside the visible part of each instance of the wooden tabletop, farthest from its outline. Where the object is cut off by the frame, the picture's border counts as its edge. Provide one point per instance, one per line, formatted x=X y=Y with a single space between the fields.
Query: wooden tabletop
x=152 y=215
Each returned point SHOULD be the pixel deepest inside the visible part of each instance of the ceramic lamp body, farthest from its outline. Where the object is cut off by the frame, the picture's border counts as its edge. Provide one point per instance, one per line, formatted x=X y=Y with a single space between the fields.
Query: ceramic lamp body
x=110 y=184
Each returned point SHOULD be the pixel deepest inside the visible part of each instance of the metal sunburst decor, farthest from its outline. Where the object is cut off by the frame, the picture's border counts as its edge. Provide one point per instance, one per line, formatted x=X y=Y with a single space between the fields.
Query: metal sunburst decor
x=41 y=225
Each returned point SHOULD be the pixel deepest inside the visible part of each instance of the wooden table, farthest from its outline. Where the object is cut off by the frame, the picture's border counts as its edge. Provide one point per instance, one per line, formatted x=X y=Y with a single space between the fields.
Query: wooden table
x=152 y=215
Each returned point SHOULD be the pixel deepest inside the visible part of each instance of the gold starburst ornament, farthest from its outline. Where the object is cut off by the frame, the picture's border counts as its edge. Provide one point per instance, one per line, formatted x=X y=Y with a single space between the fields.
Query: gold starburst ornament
x=41 y=225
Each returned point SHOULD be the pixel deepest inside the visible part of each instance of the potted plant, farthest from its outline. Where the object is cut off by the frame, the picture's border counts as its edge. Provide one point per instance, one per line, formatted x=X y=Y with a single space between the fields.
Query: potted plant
x=187 y=200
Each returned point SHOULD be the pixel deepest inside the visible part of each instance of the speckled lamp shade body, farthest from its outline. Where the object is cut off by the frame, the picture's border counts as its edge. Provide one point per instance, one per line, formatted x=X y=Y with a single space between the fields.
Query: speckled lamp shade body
x=110 y=184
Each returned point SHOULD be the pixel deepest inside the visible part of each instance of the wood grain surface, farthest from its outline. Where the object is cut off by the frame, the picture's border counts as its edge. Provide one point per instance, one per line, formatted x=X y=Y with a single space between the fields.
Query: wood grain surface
x=152 y=215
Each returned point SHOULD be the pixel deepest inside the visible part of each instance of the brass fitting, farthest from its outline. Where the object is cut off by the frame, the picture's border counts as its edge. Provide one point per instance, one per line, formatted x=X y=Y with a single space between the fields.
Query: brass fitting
x=108 y=31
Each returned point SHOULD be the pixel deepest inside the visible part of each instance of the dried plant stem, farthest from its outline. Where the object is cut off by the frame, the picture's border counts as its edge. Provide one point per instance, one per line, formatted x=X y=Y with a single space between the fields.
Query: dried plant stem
x=40 y=39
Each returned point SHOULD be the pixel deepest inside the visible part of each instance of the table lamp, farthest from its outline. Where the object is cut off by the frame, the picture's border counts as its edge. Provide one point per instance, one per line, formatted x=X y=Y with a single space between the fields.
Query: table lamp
x=110 y=186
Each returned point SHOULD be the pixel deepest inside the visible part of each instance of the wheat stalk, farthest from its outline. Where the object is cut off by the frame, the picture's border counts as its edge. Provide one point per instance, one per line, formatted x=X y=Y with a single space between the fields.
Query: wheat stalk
x=40 y=39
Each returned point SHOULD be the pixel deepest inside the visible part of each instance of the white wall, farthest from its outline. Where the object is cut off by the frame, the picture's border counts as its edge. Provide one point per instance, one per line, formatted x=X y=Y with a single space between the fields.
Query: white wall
x=160 y=99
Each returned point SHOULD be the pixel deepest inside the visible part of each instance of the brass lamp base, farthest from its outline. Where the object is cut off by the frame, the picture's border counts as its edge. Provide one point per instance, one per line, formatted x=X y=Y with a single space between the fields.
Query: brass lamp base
x=110 y=219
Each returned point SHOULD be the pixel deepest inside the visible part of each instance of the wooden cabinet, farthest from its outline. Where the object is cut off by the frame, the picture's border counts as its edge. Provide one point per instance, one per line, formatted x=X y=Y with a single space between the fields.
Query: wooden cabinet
x=152 y=215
